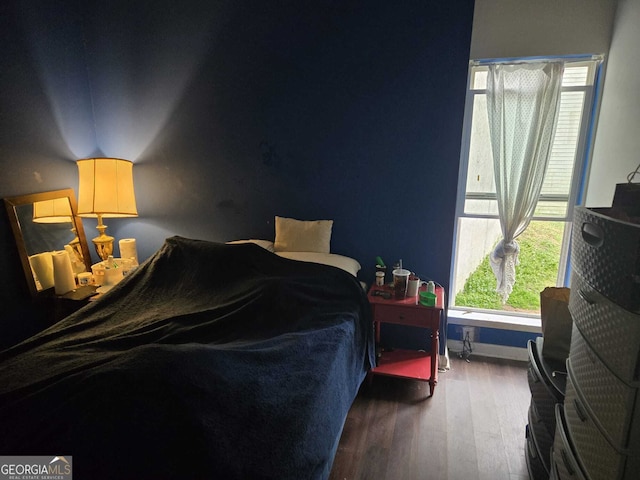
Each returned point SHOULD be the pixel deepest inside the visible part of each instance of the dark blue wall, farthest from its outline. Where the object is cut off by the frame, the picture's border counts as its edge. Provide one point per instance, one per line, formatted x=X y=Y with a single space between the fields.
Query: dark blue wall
x=237 y=111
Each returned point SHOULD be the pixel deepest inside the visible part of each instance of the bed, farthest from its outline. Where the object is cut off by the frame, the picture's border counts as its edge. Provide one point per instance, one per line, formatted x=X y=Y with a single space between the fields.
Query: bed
x=209 y=361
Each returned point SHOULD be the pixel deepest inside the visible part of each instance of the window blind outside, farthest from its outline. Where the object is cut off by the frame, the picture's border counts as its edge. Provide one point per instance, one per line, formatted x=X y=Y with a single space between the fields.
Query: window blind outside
x=559 y=176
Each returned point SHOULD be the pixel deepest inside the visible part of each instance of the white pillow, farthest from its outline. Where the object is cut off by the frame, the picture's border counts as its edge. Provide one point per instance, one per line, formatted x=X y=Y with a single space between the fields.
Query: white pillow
x=302 y=236
x=266 y=244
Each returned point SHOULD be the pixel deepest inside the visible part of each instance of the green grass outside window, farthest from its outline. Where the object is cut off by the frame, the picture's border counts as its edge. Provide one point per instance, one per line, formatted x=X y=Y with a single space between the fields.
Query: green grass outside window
x=540 y=247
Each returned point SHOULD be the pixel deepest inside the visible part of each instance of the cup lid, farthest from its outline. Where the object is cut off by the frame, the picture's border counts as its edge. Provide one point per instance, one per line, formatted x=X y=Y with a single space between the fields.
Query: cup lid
x=401 y=272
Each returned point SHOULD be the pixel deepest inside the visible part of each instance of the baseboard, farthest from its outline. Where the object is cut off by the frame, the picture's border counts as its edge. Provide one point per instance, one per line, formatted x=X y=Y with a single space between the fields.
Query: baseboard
x=489 y=350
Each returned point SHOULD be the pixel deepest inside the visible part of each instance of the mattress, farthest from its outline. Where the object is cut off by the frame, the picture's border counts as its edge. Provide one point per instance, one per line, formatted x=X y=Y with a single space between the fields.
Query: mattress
x=333 y=259
x=345 y=263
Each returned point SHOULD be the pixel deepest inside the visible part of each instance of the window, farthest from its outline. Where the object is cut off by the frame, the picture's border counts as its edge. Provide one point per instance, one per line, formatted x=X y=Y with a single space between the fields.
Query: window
x=544 y=246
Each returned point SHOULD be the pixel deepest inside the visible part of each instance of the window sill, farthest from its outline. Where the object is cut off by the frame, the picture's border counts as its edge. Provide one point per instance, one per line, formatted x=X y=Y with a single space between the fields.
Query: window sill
x=493 y=320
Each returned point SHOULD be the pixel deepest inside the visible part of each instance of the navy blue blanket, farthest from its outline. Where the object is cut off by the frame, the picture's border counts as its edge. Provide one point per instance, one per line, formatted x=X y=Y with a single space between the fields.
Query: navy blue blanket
x=209 y=361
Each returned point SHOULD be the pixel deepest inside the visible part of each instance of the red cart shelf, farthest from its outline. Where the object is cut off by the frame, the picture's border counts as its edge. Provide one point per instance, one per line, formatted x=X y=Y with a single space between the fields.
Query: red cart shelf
x=418 y=365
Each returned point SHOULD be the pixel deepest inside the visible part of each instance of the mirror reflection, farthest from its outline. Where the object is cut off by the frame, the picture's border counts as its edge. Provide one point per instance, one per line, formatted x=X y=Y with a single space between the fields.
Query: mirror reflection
x=45 y=223
x=45 y=231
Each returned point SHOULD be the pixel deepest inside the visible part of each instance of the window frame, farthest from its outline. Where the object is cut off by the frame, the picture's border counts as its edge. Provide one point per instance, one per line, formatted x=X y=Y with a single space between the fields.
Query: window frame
x=581 y=165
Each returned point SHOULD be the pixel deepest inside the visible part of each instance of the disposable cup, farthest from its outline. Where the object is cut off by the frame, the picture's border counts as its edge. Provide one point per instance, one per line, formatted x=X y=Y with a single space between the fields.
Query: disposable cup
x=400 y=282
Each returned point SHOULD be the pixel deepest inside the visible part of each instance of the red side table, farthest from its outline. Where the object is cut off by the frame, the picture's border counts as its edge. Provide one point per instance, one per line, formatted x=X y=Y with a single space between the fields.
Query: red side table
x=412 y=364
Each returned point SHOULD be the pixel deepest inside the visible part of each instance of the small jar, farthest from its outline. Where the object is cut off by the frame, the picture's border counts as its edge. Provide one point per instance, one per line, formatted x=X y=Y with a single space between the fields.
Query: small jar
x=431 y=287
x=379 y=279
x=84 y=279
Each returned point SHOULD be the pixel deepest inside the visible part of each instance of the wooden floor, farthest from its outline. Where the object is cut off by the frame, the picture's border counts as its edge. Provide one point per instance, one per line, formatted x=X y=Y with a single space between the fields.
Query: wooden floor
x=472 y=428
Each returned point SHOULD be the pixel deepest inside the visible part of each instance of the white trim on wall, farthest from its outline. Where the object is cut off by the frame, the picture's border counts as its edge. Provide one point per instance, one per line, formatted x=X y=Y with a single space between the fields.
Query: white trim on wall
x=525 y=28
x=488 y=350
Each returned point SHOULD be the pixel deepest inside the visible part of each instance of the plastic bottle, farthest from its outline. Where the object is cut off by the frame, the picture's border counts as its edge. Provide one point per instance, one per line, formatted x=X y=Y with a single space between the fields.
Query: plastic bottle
x=111 y=263
x=396 y=266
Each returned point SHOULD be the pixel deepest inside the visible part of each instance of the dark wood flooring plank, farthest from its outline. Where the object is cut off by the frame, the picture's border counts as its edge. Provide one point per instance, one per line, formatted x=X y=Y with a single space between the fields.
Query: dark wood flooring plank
x=492 y=459
x=430 y=454
x=415 y=437
x=512 y=397
x=349 y=453
x=462 y=460
x=380 y=433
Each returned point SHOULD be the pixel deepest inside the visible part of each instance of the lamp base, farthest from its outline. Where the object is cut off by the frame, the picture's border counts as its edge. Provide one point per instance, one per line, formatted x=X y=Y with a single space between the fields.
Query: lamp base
x=104 y=245
x=77 y=248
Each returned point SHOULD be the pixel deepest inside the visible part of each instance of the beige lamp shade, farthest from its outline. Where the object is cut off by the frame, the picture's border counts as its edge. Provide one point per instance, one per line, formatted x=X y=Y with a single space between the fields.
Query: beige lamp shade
x=106 y=188
x=57 y=210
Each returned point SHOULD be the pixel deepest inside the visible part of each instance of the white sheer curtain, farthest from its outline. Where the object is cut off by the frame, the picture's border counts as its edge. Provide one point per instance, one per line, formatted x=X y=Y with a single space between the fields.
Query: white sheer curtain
x=522 y=102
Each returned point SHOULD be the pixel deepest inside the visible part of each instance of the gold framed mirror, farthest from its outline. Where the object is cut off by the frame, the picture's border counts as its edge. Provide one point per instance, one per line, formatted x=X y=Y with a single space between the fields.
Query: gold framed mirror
x=43 y=223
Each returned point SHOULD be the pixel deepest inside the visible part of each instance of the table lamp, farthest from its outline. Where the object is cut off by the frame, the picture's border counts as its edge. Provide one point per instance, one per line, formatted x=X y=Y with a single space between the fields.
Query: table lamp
x=105 y=190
